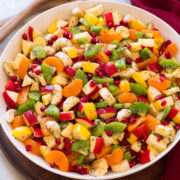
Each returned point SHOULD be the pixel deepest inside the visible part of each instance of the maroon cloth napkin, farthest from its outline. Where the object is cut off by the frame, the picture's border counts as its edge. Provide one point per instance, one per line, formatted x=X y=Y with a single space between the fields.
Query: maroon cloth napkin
x=167 y=10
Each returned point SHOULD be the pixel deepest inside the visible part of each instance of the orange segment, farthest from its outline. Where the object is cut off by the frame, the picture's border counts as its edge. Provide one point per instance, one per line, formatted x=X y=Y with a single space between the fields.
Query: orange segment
x=56 y=62
x=151 y=122
x=142 y=65
x=18 y=122
x=127 y=97
x=105 y=151
x=132 y=35
x=23 y=96
x=172 y=49
x=59 y=158
x=102 y=57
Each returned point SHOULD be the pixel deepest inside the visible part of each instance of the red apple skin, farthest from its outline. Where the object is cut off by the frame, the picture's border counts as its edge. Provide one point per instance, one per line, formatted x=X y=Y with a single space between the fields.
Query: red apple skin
x=99 y=142
x=81 y=106
x=107 y=112
x=84 y=121
x=173 y=112
x=66 y=116
x=38 y=133
x=10 y=86
x=110 y=69
x=30 y=117
x=31 y=29
x=108 y=18
x=94 y=91
x=70 y=71
x=8 y=100
x=46 y=89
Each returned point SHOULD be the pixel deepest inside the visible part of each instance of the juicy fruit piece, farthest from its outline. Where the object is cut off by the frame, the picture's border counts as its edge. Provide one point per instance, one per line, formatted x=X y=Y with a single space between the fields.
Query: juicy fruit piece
x=152 y=93
x=90 y=67
x=44 y=150
x=81 y=75
x=106 y=150
x=26 y=106
x=139 y=108
x=34 y=96
x=27 y=47
x=59 y=158
x=124 y=86
x=10 y=98
x=66 y=116
x=38 y=52
x=21 y=133
x=70 y=51
x=110 y=69
x=90 y=111
x=120 y=64
x=102 y=57
x=81 y=146
x=53 y=111
x=164 y=113
x=93 y=20
x=73 y=89
x=138 y=78
x=107 y=112
x=98 y=129
x=140 y=131
x=169 y=64
x=115 y=127
x=132 y=138
x=172 y=49
x=40 y=41
x=138 y=89
x=142 y=65
x=80 y=132
x=85 y=122
x=136 y=24
x=127 y=97
x=18 y=121
x=96 y=144
x=56 y=62
x=150 y=122
x=146 y=53
x=46 y=99
x=30 y=118
x=158 y=84
x=47 y=72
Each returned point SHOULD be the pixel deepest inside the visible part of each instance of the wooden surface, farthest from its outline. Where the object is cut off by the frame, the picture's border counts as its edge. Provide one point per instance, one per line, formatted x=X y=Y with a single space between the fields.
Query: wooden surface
x=33 y=172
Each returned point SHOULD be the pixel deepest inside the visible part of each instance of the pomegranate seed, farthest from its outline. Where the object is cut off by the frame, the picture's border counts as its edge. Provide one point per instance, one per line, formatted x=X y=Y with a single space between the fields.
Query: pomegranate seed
x=90 y=76
x=127 y=134
x=50 y=42
x=55 y=148
x=131 y=165
x=28 y=148
x=100 y=74
x=80 y=57
x=98 y=70
x=54 y=38
x=42 y=108
x=115 y=26
x=25 y=37
x=94 y=40
x=92 y=83
x=123 y=143
x=123 y=23
x=109 y=120
x=86 y=59
x=53 y=165
x=105 y=84
x=102 y=65
x=145 y=136
x=13 y=78
x=93 y=35
x=165 y=122
x=58 y=141
x=82 y=172
x=71 y=169
x=163 y=103
x=158 y=138
x=70 y=37
x=125 y=120
x=84 y=99
x=109 y=133
x=132 y=119
x=37 y=71
x=139 y=59
x=35 y=62
x=129 y=61
x=85 y=170
x=133 y=153
x=67 y=146
x=158 y=97
x=128 y=45
x=8 y=108
x=17 y=83
x=79 y=168
x=168 y=42
x=132 y=80
x=134 y=162
x=18 y=89
x=144 y=147
x=168 y=56
x=177 y=127
x=110 y=25
x=66 y=34
x=66 y=140
x=116 y=83
x=40 y=61
x=108 y=53
x=160 y=52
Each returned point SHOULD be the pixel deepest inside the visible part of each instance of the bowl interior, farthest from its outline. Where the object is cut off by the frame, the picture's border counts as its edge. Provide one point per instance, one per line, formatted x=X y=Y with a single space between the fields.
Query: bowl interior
x=42 y=22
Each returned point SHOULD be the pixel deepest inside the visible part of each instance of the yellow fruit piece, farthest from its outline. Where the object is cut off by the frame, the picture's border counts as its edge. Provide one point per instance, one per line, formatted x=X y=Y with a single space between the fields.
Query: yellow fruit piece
x=152 y=93
x=115 y=141
x=36 y=33
x=59 y=80
x=27 y=47
x=52 y=29
x=136 y=24
x=152 y=110
x=44 y=150
x=70 y=51
x=117 y=92
x=40 y=41
x=80 y=132
x=90 y=67
x=157 y=105
x=124 y=86
x=132 y=139
x=21 y=133
x=158 y=41
x=46 y=99
x=90 y=111
x=176 y=119
x=101 y=22
x=137 y=77
x=90 y=18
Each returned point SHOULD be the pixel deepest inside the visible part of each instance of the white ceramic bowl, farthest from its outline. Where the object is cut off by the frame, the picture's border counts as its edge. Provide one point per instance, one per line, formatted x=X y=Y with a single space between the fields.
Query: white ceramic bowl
x=42 y=22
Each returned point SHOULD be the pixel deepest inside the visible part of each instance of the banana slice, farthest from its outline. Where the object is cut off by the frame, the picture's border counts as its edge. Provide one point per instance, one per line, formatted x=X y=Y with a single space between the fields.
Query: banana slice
x=60 y=43
x=70 y=102
x=64 y=58
x=57 y=94
x=123 y=31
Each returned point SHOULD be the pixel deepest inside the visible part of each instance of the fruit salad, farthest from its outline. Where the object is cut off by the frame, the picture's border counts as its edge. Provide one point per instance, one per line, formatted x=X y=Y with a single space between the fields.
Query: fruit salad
x=94 y=94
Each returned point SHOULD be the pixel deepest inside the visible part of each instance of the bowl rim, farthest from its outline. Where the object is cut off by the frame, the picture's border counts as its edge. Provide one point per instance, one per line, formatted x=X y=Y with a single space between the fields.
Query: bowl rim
x=73 y=175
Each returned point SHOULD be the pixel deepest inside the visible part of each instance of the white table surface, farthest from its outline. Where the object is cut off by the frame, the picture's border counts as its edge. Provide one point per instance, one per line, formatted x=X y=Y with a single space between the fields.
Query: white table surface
x=7 y=171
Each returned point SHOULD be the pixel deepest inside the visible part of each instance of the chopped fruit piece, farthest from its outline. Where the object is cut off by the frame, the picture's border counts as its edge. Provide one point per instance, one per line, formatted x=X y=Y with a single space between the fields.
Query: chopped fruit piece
x=110 y=69
x=66 y=116
x=85 y=122
x=30 y=118
x=96 y=144
x=90 y=111
x=106 y=112
x=90 y=67
x=137 y=77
